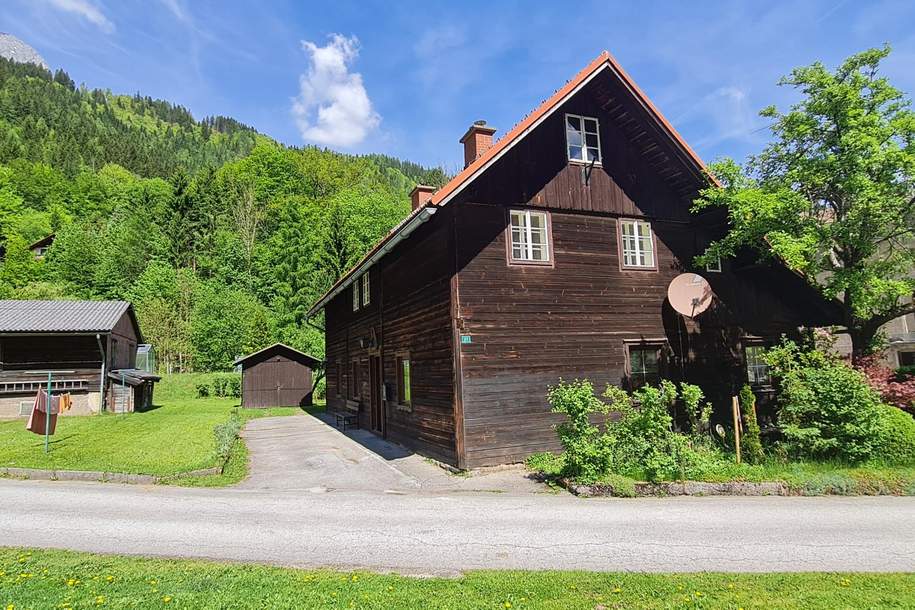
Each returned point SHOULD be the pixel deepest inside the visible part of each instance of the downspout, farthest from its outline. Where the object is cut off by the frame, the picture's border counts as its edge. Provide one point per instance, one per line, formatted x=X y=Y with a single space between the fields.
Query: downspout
x=102 y=400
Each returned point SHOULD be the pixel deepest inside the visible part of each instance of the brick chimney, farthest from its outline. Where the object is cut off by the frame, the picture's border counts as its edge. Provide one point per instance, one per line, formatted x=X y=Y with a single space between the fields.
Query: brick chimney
x=421 y=194
x=476 y=141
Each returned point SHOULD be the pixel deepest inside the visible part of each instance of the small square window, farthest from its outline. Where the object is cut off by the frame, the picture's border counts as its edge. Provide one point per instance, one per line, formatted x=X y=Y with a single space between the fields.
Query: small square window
x=529 y=237
x=714 y=266
x=757 y=369
x=583 y=139
x=637 y=244
x=644 y=365
x=366 y=292
x=906 y=358
x=356 y=295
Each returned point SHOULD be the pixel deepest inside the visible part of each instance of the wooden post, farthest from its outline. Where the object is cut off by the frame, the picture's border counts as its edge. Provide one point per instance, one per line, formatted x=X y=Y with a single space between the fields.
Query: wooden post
x=735 y=409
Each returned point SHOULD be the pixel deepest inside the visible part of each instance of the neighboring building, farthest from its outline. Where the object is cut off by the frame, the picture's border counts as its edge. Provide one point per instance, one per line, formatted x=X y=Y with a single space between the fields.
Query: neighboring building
x=87 y=346
x=40 y=248
x=276 y=376
x=548 y=257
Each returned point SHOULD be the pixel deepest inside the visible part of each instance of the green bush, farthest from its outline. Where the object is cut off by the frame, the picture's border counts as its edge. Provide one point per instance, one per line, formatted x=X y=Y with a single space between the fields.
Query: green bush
x=320 y=390
x=828 y=410
x=752 y=444
x=620 y=486
x=588 y=454
x=905 y=372
x=546 y=463
x=896 y=437
x=220 y=382
x=638 y=442
x=233 y=386
x=226 y=433
x=203 y=390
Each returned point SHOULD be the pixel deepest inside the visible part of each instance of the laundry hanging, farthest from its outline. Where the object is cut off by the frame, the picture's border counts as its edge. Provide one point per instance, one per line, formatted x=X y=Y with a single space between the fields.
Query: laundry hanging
x=66 y=402
x=41 y=410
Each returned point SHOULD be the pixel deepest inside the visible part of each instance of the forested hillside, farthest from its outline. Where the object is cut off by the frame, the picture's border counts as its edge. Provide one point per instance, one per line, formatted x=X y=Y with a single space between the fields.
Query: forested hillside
x=221 y=237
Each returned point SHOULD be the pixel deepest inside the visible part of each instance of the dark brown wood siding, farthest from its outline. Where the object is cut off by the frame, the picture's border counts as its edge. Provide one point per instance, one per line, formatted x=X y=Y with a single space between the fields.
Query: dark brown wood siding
x=276 y=381
x=532 y=325
x=409 y=314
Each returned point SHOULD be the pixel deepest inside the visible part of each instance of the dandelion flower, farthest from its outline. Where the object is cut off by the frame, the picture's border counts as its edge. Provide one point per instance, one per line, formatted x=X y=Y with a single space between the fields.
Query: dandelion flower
x=167 y=599
x=109 y=578
x=617 y=590
x=698 y=593
x=507 y=604
x=99 y=600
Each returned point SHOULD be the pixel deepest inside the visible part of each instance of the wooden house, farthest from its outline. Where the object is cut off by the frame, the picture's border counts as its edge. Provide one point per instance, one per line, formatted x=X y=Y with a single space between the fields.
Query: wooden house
x=89 y=348
x=276 y=376
x=548 y=257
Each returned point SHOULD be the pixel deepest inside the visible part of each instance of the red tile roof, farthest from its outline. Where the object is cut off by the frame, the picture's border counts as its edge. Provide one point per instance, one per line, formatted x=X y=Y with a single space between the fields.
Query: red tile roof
x=465 y=177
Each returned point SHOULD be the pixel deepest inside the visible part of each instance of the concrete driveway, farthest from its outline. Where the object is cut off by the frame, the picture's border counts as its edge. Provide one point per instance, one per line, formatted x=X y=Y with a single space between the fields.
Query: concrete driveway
x=308 y=453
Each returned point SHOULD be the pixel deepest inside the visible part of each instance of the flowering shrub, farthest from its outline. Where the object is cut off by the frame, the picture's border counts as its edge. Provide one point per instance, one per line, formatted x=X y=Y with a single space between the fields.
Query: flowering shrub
x=895 y=389
x=830 y=411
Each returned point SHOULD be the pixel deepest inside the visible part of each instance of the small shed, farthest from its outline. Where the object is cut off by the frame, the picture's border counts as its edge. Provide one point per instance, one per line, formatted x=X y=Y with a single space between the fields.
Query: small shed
x=276 y=376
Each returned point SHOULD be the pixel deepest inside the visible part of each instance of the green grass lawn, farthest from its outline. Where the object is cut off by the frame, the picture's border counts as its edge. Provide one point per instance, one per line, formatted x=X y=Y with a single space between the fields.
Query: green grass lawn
x=63 y=579
x=803 y=478
x=175 y=437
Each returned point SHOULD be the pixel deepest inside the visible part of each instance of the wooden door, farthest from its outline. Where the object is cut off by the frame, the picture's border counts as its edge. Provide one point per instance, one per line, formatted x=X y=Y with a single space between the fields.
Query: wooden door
x=377 y=402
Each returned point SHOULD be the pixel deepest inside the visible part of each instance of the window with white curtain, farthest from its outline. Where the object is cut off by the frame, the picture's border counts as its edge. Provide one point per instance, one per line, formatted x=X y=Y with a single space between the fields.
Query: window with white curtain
x=529 y=237
x=638 y=244
x=366 y=293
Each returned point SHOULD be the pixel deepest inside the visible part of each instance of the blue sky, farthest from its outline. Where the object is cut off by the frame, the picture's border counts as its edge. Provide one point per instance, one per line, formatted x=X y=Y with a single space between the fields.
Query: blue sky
x=407 y=78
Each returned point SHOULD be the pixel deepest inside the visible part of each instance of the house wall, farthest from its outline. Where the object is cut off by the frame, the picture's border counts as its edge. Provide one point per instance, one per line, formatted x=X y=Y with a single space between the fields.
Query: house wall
x=409 y=314
x=84 y=403
x=530 y=325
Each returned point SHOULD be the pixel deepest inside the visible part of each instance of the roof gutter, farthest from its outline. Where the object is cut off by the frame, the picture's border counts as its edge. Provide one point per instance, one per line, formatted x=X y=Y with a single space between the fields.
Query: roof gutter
x=395 y=238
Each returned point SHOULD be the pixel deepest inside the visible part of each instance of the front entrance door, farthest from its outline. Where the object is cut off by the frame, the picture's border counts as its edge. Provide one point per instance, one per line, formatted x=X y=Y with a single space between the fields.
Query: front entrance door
x=377 y=405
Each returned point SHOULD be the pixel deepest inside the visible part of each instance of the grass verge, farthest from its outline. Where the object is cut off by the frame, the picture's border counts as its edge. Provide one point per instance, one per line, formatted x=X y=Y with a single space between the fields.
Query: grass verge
x=802 y=478
x=175 y=437
x=63 y=579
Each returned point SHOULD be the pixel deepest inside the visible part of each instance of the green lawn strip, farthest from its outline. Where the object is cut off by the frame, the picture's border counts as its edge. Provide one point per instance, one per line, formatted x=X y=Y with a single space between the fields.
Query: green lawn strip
x=175 y=437
x=803 y=478
x=63 y=579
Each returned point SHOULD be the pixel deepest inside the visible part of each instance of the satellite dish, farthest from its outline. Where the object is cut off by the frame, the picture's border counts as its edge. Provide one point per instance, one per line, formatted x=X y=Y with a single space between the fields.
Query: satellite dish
x=689 y=294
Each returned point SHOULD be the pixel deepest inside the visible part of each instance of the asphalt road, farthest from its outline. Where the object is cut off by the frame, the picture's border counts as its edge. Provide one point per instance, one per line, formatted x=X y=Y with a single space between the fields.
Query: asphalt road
x=445 y=533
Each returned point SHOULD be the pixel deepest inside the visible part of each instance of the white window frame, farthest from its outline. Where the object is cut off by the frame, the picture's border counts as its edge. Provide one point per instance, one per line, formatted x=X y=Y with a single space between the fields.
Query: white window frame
x=366 y=289
x=584 y=140
x=714 y=268
x=758 y=373
x=356 y=295
x=526 y=231
x=637 y=252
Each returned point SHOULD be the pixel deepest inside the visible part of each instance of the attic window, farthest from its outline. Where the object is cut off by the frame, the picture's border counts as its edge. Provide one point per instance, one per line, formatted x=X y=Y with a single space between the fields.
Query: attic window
x=583 y=139
x=356 y=295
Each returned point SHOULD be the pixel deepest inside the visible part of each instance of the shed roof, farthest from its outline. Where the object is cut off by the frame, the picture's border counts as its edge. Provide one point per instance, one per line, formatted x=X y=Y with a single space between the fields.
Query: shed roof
x=280 y=348
x=62 y=316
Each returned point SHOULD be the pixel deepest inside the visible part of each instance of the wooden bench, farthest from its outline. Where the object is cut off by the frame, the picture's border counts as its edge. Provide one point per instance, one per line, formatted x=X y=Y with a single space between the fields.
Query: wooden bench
x=349 y=417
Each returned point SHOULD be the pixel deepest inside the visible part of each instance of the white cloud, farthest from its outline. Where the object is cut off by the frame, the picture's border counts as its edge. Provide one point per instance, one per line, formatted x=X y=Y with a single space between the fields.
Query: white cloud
x=177 y=9
x=87 y=10
x=332 y=107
